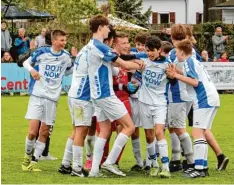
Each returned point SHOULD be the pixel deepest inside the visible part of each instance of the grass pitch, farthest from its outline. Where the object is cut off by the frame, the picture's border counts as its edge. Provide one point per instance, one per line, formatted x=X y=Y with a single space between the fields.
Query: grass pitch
x=15 y=127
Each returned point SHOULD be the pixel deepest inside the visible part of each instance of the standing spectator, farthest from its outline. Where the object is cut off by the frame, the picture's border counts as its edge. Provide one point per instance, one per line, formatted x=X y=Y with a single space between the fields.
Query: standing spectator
x=7 y=58
x=22 y=43
x=219 y=42
x=40 y=39
x=205 y=57
x=223 y=57
x=6 y=40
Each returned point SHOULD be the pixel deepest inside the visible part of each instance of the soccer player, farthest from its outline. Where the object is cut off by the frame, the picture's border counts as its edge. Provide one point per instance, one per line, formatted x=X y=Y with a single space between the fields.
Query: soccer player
x=107 y=106
x=81 y=108
x=205 y=103
x=153 y=104
x=179 y=105
x=137 y=77
x=45 y=86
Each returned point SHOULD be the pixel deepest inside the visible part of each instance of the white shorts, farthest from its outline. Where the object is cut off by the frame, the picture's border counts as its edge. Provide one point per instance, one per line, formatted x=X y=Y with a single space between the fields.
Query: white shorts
x=203 y=118
x=176 y=116
x=189 y=105
x=134 y=102
x=81 y=112
x=152 y=115
x=110 y=108
x=41 y=109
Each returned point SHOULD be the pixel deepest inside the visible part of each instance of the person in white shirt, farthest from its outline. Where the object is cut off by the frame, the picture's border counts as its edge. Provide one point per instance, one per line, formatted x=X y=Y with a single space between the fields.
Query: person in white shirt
x=205 y=103
x=153 y=101
x=107 y=106
x=50 y=65
x=40 y=39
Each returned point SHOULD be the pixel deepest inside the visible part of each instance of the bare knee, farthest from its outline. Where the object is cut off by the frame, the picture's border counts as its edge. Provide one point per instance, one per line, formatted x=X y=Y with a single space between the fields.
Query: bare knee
x=149 y=135
x=179 y=131
x=159 y=133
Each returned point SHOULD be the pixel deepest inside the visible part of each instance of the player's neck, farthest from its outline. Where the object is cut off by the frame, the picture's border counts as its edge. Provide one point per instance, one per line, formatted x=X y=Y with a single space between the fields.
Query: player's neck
x=98 y=37
x=55 y=50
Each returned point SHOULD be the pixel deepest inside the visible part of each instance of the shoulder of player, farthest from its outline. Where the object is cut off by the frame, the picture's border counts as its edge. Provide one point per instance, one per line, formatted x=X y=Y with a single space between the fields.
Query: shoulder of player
x=101 y=46
x=41 y=50
x=65 y=52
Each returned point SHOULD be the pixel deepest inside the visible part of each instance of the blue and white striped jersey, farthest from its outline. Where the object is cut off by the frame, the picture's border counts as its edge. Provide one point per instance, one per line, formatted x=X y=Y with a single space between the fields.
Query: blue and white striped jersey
x=205 y=94
x=154 y=87
x=80 y=87
x=100 y=57
x=51 y=67
x=177 y=92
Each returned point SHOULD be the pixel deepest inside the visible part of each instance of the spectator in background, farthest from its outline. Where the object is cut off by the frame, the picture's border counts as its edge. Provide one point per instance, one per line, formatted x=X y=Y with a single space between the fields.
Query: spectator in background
x=40 y=39
x=205 y=57
x=219 y=42
x=22 y=43
x=6 y=40
x=6 y=58
x=223 y=57
x=168 y=35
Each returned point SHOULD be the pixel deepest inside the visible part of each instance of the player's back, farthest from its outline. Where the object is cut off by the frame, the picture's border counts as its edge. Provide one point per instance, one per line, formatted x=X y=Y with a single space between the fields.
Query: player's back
x=177 y=91
x=51 y=67
x=205 y=94
x=154 y=86
x=99 y=69
x=80 y=87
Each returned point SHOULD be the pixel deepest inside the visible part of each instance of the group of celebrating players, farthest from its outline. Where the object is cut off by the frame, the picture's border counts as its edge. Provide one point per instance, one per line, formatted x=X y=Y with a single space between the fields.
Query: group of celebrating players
x=153 y=86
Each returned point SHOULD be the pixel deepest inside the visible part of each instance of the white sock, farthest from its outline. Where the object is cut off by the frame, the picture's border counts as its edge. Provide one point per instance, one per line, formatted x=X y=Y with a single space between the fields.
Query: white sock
x=77 y=152
x=39 y=147
x=163 y=149
x=89 y=144
x=200 y=148
x=67 y=156
x=147 y=160
x=136 y=145
x=119 y=143
x=175 y=146
x=205 y=164
x=186 y=143
x=152 y=153
x=97 y=154
x=29 y=144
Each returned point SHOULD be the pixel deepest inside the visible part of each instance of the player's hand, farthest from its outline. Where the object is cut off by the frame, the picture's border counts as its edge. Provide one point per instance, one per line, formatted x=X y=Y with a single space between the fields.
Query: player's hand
x=140 y=63
x=116 y=52
x=35 y=74
x=132 y=87
x=171 y=71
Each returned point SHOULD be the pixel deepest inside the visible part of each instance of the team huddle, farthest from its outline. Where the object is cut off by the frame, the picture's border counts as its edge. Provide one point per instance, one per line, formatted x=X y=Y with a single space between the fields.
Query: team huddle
x=152 y=87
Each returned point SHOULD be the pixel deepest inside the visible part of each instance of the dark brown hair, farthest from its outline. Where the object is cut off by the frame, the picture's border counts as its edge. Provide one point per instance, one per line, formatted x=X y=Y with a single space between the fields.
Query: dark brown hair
x=178 y=32
x=166 y=46
x=57 y=33
x=96 y=21
x=185 y=46
x=141 y=38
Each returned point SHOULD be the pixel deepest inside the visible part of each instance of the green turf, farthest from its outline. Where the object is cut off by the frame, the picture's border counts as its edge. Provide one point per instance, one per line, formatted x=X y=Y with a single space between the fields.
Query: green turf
x=15 y=127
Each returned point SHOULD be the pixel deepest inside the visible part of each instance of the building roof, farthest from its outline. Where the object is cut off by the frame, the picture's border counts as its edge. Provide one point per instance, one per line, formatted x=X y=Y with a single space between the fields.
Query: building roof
x=228 y=5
